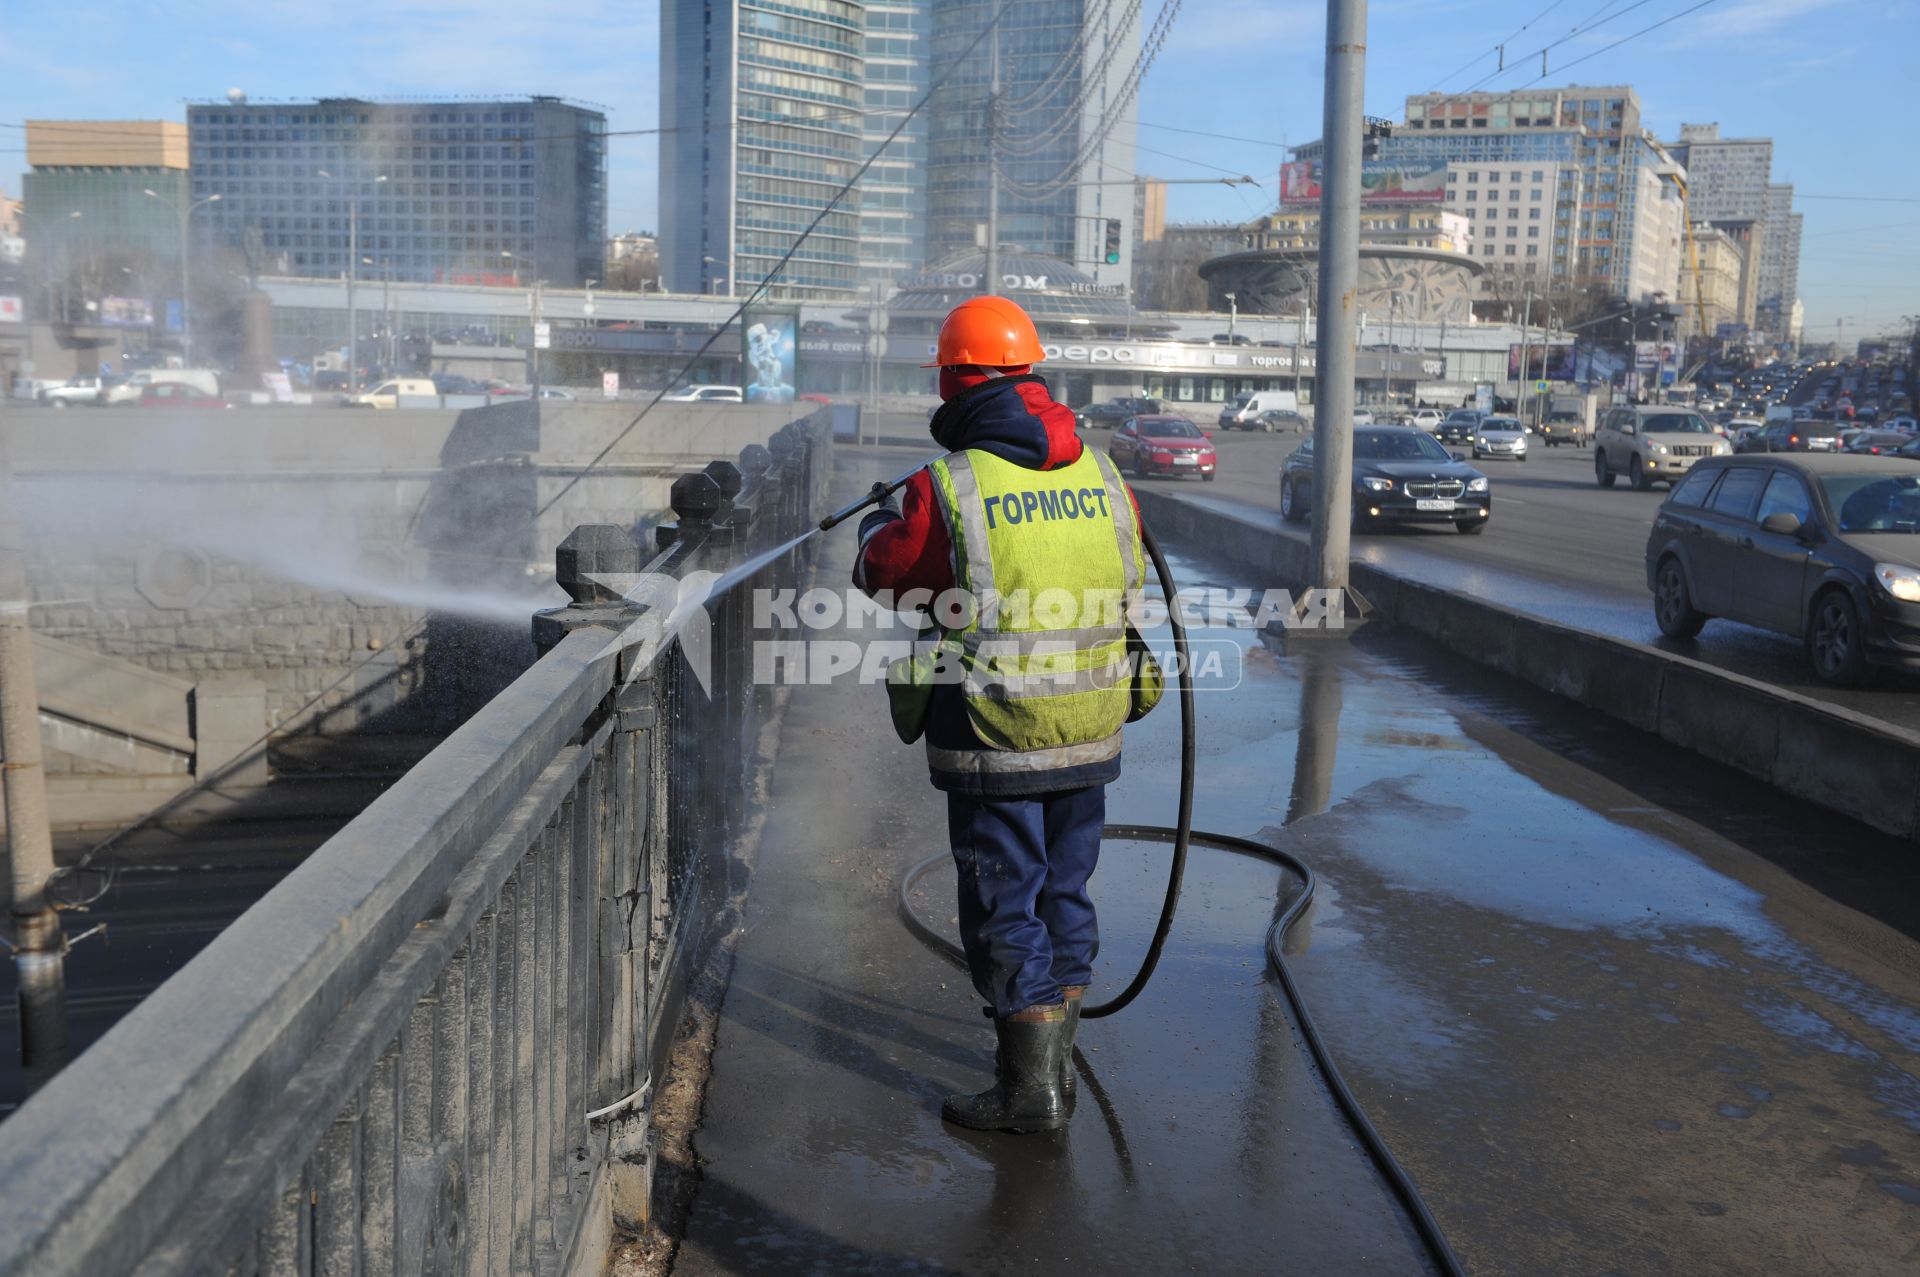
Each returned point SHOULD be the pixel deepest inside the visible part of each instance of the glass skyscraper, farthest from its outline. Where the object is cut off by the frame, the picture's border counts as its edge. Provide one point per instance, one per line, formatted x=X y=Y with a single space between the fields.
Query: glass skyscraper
x=762 y=107
x=893 y=195
x=1065 y=136
x=769 y=107
x=470 y=189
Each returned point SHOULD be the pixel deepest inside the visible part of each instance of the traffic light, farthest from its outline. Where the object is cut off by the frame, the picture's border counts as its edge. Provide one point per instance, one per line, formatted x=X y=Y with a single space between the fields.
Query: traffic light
x=1113 y=241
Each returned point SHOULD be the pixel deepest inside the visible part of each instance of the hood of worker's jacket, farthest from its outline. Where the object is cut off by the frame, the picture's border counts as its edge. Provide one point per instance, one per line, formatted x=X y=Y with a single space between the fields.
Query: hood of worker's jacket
x=1014 y=418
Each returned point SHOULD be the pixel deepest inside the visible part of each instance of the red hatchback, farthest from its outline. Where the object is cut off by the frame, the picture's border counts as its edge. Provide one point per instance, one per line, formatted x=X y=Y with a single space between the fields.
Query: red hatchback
x=1162 y=445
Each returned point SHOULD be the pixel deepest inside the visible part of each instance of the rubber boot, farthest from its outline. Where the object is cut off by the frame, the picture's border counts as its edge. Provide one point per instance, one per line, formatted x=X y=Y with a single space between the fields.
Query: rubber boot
x=1074 y=994
x=1025 y=1095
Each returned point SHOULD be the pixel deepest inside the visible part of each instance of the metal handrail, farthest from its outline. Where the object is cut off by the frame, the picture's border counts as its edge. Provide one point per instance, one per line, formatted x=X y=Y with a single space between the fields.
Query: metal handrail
x=503 y=929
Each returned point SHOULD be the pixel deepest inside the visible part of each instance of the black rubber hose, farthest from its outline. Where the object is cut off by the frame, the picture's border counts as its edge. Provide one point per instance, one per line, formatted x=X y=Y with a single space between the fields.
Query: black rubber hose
x=1189 y=765
x=1383 y=1159
x=1182 y=836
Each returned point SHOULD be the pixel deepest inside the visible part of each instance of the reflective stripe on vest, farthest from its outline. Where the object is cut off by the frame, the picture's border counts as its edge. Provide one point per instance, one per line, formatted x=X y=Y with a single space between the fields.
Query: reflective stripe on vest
x=1052 y=560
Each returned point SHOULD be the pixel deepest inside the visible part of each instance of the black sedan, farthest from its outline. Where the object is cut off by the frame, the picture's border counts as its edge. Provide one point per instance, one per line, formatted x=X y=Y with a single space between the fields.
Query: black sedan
x=1400 y=475
x=1824 y=548
x=1114 y=412
x=1460 y=425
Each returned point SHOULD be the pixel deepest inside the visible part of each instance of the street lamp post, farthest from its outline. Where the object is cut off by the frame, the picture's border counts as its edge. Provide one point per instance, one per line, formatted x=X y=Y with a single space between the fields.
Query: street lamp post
x=353 y=271
x=186 y=267
x=533 y=310
x=386 y=306
x=1233 y=314
x=33 y=220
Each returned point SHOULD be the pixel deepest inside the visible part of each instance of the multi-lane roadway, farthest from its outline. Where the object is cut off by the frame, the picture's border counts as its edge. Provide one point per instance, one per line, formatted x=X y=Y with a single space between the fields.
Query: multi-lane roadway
x=1558 y=545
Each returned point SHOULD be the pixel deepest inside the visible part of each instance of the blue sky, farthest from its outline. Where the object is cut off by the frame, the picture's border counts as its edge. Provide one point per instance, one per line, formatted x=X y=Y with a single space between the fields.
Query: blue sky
x=1824 y=78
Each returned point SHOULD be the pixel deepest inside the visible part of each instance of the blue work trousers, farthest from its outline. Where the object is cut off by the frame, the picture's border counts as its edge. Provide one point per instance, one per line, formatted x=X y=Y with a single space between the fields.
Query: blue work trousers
x=1026 y=920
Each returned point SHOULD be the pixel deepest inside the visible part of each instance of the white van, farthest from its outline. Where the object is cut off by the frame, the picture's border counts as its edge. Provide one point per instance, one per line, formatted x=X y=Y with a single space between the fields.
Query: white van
x=205 y=380
x=1244 y=411
x=388 y=394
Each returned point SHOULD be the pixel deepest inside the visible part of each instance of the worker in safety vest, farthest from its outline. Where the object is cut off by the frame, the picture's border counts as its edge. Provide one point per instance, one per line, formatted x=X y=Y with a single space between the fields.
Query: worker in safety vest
x=1022 y=697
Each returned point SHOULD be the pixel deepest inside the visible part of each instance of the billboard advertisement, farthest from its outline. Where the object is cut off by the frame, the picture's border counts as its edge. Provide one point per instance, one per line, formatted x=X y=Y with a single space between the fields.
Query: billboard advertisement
x=768 y=353
x=1544 y=363
x=11 y=311
x=125 y=312
x=1380 y=183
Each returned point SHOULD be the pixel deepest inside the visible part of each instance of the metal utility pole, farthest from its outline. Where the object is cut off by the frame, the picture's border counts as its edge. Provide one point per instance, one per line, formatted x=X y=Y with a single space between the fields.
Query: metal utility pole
x=533 y=347
x=1526 y=358
x=353 y=316
x=992 y=266
x=1233 y=314
x=1339 y=291
x=39 y=950
x=1299 y=336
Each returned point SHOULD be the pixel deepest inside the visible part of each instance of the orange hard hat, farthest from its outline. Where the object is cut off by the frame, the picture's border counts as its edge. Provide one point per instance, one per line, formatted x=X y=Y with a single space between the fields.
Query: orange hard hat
x=991 y=332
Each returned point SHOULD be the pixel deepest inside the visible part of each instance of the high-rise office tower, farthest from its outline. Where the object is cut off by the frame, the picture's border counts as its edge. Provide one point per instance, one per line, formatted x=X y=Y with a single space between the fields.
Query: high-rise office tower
x=1780 y=263
x=1063 y=124
x=763 y=116
x=1629 y=215
x=893 y=194
x=439 y=189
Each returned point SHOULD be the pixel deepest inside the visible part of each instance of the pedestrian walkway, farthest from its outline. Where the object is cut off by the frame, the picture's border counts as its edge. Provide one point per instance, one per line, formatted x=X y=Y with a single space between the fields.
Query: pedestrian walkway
x=1204 y=1141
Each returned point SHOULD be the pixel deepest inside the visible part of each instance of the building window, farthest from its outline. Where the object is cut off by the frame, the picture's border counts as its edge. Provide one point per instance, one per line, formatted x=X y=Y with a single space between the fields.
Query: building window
x=1472 y=178
x=1510 y=249
x=1493 y=177
x=1472 y=196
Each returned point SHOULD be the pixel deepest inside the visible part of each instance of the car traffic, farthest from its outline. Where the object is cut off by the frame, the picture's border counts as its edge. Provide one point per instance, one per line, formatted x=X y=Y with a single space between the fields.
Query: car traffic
x=1152 y=446
x=1822 y=548
x=1401 y=474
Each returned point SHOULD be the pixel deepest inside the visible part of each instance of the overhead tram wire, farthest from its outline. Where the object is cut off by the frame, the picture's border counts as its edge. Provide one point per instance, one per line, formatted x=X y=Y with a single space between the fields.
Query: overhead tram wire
x=1607 y=48
x=999 y=13
x=1089 y=81
x=1067 y=116
x=1573 y=33
x=1499 y=45
x=1072 y=57
x=1072 y=114
x=1110 y=117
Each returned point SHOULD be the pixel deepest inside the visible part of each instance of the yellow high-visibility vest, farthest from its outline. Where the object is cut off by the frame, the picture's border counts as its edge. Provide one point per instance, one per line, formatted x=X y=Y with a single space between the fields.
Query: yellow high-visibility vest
x=1051 y=561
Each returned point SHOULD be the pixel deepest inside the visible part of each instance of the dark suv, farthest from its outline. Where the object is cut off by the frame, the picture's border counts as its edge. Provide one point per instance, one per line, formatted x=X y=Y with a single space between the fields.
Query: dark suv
x=1821 y=548
x=1114 y=411
x=1795 y=436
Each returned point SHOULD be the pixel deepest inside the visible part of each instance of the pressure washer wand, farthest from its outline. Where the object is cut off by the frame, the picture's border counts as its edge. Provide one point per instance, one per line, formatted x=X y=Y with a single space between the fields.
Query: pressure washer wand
x=880 y=492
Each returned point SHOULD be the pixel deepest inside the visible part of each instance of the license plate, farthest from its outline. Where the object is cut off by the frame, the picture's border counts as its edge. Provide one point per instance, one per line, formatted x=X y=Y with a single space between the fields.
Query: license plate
x=1186 y=461
x=1434 y=503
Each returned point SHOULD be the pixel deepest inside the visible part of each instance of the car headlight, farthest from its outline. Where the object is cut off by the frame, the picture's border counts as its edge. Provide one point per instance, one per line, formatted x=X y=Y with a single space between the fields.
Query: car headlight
x=1477 y=485
x=1377 y=485
x=1898 y=580
x=1655 y=445
x=1481 y=442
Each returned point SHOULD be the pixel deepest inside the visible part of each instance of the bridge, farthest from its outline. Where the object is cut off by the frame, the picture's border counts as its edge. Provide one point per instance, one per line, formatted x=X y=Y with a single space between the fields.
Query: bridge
x=613 y=980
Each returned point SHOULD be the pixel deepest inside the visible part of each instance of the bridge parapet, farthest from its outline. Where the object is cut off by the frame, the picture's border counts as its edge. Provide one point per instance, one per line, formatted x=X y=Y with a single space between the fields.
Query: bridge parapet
x=429 y=1050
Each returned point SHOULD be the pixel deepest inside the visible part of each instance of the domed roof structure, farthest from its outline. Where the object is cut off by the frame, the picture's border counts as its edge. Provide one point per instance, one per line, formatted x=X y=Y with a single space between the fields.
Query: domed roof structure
x=1056 y=294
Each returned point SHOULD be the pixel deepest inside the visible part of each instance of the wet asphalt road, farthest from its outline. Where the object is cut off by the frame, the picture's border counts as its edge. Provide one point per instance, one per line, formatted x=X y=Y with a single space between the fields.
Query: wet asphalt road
x=170 y=894
x=1559 y=546
x=1616 y=1009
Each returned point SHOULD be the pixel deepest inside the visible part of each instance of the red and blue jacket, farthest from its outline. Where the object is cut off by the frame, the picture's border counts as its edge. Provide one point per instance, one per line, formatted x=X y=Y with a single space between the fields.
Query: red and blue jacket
x=1016 y=419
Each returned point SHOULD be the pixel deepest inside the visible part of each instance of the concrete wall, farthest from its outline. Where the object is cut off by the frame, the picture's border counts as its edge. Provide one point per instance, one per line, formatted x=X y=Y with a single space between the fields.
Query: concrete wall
x=1854 y=765
x=371 y=570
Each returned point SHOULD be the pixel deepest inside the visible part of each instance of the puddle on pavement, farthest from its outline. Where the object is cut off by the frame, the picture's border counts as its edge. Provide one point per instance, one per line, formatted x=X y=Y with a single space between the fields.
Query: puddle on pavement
x=1474 y=927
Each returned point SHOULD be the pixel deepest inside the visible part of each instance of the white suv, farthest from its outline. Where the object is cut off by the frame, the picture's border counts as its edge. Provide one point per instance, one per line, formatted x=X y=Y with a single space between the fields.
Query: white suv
x=1652 y=443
